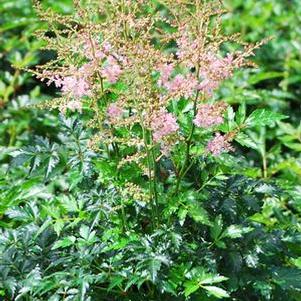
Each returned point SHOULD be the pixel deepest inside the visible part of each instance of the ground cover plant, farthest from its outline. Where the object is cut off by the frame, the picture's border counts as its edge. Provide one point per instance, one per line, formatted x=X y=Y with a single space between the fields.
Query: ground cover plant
x=150 y=165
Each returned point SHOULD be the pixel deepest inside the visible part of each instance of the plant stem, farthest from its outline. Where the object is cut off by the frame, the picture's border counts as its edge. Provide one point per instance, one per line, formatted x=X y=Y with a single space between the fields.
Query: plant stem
x=263 y=153
x=183 y=170
x=155 y=183
x=103 y=94
x=152 y=189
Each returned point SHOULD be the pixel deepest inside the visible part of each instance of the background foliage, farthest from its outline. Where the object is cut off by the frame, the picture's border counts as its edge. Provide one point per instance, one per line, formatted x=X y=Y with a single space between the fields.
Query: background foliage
x=62 y=234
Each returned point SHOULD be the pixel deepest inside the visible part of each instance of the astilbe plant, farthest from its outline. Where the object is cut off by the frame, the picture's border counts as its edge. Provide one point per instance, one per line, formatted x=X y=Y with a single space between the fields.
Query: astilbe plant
x=147 y=80
x=116 y=56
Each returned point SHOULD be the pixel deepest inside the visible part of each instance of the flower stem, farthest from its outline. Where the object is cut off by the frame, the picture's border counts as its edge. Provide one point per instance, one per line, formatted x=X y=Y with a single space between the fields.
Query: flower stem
x=183 y=170
x=152 y=186
x=155 y=184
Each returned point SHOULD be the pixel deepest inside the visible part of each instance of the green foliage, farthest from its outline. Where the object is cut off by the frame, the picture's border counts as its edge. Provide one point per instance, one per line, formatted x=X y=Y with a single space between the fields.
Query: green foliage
x=69 y=232
x=261 y=117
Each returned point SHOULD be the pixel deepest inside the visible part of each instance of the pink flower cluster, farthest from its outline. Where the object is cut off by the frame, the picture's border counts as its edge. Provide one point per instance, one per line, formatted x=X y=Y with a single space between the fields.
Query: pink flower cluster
x=180 y=85
x=165 y=73
x=114 y=112
x=79 y=83
x=187 y=48
x=213 y=71
x=163 y=124
x=75 y=86
x=218 y=145
x=99 y=54
x=209 y=115
x=213 y=68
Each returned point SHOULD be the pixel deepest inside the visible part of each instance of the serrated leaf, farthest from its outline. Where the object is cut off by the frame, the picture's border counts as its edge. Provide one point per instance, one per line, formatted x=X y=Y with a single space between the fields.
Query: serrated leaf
x=182 y=215
x=213 y=279
x=84 y=232
x=217 y=228
x=199 y=214
x=244 y=140
x=191 y=286
x=240 y=116
x=58 y=226
x=216 y=291
x=115 y=281
x=20 y=159
x=43 y=227
x=262 y=117
x=52 y=162
x=154 y=266
x=64 y=243
x=236 y=231
x=132 y=281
